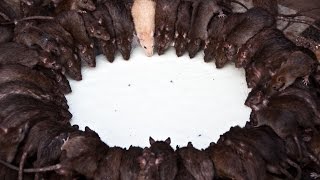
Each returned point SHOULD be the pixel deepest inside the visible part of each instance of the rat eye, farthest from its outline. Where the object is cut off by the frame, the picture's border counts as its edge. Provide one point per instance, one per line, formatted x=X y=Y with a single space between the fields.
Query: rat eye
x=85 y=1
x=145 y=47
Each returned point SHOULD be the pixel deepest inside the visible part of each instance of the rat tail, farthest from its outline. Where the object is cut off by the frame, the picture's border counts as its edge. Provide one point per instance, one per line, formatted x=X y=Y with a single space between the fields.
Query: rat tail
x=32 y=170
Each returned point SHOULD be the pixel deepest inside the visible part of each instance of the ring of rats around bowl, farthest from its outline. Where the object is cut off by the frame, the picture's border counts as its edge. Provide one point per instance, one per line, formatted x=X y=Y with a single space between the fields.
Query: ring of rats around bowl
x=44 y=42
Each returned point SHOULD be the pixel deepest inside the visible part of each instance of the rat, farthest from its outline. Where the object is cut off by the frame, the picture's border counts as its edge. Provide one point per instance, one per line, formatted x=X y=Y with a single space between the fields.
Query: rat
x=165 y=18
x=94 y=28
x=78 y=5
x=244 y=31
x=183 y=173
x=22 y=73
x=197 y=162
x=10 y=139
x=32 y=36
x=218 y=29
x=68 y=59
x=108 y=48
x=236 y=164
x=264 y=140
x=182 y=27
x=28 y=89
x=14 y=53
x=143 y=15
x=72 y=22
x=123 y=25
x=130 y=168
x=203 y=11
x=162 y=149
x=149 y=165
x=109 y=166
x=299 y=64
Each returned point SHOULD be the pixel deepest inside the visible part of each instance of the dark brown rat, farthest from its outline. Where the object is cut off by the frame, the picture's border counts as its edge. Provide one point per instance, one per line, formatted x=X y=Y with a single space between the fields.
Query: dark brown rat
x=73 y=23
x=149 y=165
x=162 y=149
x=182 y=27
x=120 y=13
x=244 y=31
x=165 y=18
x=299 y=64
x=197 y=162
x=130 y=167
x=109 y=166
x=78 y=5
x=94 y=28
x=108 y=48
x=10 y=139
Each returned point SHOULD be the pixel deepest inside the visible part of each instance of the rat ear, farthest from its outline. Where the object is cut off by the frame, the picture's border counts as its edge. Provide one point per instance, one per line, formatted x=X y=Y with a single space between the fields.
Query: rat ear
x=152 y=33
x=151 y=140
x=168 y=141
x=3 y=130
x=190 y=144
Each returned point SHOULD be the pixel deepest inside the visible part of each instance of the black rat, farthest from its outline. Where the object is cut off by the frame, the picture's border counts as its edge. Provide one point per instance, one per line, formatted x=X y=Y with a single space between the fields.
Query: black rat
x=120 y=13
x=94 y=27
x=197 y=162
x=165 y=18
x=162 y=149
x=182 y=27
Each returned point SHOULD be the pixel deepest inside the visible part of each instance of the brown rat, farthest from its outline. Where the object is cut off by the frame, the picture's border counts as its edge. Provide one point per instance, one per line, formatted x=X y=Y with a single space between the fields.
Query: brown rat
x=197 y=162
x=165 y=18
x=10 y=139
x=120 y=13
x=182 y=27
x=108 y=48
x=109 y=166
x=299 y=64
x=162 y=149
x=78 y=5
x=149 y=165
x=244 y=31
x=94 y=28
x=72 y=22
x=130 y=167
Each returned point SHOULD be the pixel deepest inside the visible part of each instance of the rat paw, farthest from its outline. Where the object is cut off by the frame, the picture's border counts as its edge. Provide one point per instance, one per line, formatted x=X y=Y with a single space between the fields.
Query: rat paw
x=305 y=81
x=222 y=15
x=314 y=175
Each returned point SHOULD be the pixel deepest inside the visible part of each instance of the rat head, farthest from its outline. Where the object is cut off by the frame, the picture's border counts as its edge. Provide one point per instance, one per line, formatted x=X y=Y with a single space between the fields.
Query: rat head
x=163 y=40
x=124 y=45
x=255 y=99
x=242 y=58
x=220 y=58
x=72 y=62
x=86 y=4
x=146 y=40
x=149 y=164
x=159 y=147
x=10 y=139
x=99 y=32
x=86 y=53
x=253 y=75
x=277 y=83
x=50 y=45
x=180 y=43
x=230 y=51
x=194 y=45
